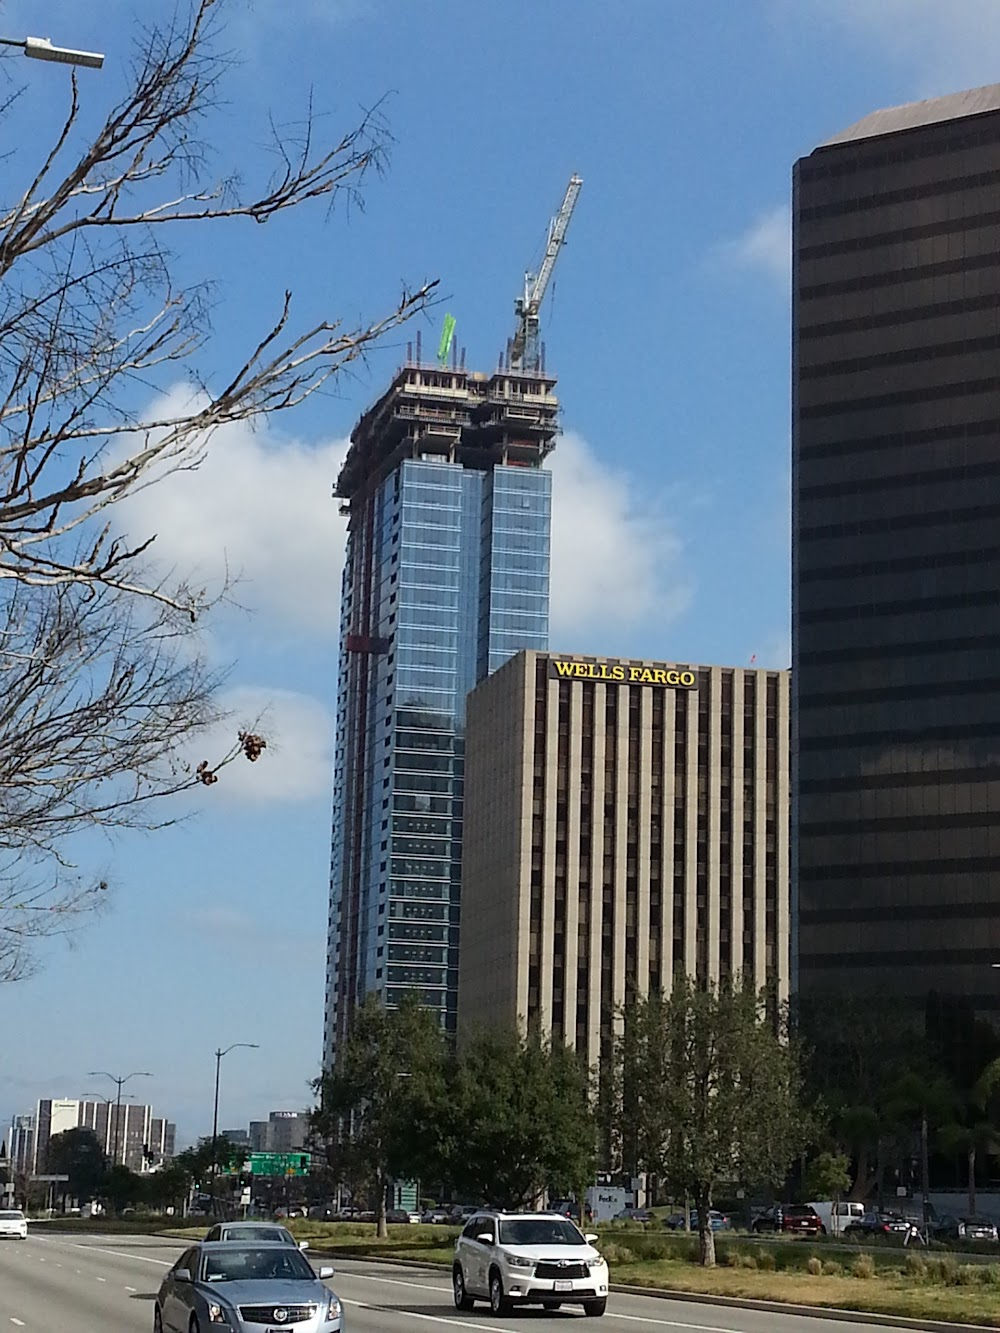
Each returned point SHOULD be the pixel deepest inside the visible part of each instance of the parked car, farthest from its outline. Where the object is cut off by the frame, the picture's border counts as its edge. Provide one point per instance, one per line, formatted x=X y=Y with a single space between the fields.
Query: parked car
x=962 y=1228
x=436 y=1217
x=245 y=1287
x=796 y=1219
x=875 y=1223
x=528 y=1259
x=13 y=1223
x=837 y=1217
x=400 y=1215
x=716 y=1220
x=634 y=1215
x=255 y=1231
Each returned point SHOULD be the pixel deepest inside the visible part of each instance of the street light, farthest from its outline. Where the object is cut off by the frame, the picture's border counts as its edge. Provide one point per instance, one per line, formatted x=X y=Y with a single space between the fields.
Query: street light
x=102 y=1073
x=246 y=1045
x=40 y=48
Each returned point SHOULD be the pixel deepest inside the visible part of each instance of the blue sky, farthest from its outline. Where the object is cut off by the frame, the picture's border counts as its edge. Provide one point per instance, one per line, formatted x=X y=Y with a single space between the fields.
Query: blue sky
x=668 y=329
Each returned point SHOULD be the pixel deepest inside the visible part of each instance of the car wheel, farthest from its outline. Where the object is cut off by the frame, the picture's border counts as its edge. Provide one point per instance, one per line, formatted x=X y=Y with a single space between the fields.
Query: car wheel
x=157 y=1320
x=499 y=1303
x=595 y=1308
x=463 y=1301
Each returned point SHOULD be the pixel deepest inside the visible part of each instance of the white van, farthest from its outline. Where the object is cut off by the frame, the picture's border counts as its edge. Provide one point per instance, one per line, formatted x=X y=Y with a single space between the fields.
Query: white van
x=837 y=1217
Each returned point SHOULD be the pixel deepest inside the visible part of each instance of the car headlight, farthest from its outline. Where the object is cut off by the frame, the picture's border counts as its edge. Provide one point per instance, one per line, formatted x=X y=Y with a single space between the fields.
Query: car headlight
x=961 y=1228
x=596 y=1262
x=517 y=1261
x=217 y=1314
x=333 y=1309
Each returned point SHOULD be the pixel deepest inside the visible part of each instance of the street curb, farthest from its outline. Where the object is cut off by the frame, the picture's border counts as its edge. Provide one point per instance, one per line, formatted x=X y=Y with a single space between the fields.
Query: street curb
x=725 y=1302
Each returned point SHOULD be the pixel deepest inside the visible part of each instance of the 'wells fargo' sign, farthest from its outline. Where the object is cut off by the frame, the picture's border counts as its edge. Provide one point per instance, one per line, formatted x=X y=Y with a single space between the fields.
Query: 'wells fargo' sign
x=622 y=673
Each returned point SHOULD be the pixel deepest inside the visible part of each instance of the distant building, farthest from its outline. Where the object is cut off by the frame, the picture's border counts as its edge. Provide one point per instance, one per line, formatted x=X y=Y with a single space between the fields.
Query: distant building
x=21 y=1143
x=624 y=821
x=239 y=1138
x=257 y=1136
x=282 y=1131
x=129 y=1135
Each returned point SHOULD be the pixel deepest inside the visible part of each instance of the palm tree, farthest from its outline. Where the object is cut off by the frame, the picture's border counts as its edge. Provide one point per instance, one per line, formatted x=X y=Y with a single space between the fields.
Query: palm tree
x=976 y=1132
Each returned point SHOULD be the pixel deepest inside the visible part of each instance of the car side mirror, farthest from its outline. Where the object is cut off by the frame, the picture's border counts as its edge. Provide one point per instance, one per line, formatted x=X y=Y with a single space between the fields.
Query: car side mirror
x=325 y=1272
x=486 y=1237
x=303 y=1245
x=182 y=1275
x=590 y=1237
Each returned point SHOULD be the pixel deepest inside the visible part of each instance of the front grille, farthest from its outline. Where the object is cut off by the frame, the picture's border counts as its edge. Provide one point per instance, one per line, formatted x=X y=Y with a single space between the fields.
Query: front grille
x=265 y=1314
x=561 y=1271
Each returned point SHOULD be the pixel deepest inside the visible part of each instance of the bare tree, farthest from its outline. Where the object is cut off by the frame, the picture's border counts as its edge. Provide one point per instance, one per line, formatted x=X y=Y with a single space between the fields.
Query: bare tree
x=102 y=693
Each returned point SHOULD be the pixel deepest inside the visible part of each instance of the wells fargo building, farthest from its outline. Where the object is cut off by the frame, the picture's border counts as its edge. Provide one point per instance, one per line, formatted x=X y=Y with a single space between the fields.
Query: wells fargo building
x=624 y=821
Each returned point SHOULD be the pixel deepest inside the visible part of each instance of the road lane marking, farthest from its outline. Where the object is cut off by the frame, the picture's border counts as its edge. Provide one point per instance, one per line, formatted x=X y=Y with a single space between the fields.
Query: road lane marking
x=18 y=1322
x=393 y=1281
x=131 y=1288
x=430 y=1318
x=96 y=1249
x=102 y=1279
x=674 y=1323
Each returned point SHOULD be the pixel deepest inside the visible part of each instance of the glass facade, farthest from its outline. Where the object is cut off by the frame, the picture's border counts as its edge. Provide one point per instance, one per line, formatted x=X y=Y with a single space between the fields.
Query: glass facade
x=451 y=559
x=896 y=563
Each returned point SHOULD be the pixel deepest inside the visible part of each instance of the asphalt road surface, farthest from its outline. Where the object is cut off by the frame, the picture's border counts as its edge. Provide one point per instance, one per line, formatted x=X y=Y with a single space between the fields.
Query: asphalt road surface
x=95 y=1284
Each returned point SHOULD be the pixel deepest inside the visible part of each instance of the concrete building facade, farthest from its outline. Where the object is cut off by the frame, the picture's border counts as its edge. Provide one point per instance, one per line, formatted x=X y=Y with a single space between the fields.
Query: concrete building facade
x=130 y=1135
x=625 y=820
x=896 y=559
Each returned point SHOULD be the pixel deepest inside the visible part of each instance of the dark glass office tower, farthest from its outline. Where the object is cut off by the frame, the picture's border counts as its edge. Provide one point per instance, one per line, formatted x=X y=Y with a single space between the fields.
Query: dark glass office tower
x=446 y=577
x=896 y=586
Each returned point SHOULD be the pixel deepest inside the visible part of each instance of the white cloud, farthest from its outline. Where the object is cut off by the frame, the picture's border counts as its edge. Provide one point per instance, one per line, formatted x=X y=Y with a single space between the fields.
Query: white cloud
x=765 y=246
x=295 y=766
x=615 y=559
x=259 y=509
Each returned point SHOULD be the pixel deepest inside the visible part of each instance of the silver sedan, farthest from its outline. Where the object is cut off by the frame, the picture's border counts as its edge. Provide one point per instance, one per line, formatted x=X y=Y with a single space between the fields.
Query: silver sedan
x=245 y=1288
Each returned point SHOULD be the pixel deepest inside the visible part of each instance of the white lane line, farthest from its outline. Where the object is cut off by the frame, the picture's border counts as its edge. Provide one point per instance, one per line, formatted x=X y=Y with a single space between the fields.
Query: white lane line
x=393 y=1281
x=131 y=1288
x=96 y=1249
x=102 y=1279
x=18 y=1322
x=431 y=1318
x=674 y=1323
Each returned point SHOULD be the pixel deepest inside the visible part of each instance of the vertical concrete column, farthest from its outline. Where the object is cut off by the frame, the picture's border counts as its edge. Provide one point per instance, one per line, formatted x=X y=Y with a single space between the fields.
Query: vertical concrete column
x=572 y=861
x=736 y=834
x=691 y=836
x=782 y=840
x=669 y=790
x=642 y=928
x=546 y=943
x=714 y=858
x=621 y=845
x=528 y=794
x=596 y=880
x=760 y=830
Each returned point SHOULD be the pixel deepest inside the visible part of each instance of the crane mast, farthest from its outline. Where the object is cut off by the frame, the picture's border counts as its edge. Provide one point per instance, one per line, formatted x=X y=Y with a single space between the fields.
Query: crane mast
x=524 y=347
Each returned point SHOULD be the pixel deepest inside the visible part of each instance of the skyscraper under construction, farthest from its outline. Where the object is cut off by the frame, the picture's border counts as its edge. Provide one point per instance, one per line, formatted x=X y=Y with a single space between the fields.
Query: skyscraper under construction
x=446 y=577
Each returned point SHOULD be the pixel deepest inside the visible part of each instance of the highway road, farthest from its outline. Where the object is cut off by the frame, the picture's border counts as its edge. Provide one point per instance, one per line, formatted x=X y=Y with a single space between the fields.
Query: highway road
x=95 y=1284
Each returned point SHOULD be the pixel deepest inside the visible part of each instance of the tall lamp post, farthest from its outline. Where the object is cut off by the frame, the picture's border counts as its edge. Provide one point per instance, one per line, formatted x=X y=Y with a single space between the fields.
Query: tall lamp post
x=245 y=1045
x=40 y=48
x=119 y=1082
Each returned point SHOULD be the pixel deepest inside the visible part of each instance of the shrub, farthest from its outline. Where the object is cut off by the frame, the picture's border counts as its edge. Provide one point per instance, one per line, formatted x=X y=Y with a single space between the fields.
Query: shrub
x=943 y=1270
x=969 y=1275
x=991 y=1275
x=618 y=1254
x=863 y=1266
x=766 y=1261
x=831 y=1268
x=915 y=1267
x=815 y=1265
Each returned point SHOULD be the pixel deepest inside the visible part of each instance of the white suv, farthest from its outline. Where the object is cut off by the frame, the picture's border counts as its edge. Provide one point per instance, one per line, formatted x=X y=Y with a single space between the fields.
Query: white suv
x=528 y=1259
x=13 y=1223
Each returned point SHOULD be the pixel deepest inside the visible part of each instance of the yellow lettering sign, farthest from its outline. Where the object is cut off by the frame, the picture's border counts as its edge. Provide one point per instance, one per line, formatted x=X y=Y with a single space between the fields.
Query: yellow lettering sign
x=563 y=668
x=616 y=672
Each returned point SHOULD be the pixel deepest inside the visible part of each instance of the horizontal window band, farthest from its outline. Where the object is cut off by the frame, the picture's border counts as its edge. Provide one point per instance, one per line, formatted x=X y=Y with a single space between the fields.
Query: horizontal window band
x=898 y=277
x=875 y=240
x=952 y=689
x=987 y=428
x=891 y=912
x=892 y=958
x=894 y=651
x=875 y=610
x=863 y=871
x=979 y=555
x=938 y=777
x=897 y=824
x=841 y=740
x=900 y=522
x=899 y=483
x=949 y=185
x=935 y=393
x=894 y=319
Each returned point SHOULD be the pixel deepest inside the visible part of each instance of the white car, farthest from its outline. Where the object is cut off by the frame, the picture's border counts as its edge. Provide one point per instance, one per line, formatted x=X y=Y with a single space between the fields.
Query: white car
x=528 y=1259
x=14 y=1223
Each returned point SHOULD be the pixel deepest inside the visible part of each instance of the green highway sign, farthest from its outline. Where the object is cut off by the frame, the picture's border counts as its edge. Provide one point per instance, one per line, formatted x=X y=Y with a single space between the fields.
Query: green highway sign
x=279 y=1163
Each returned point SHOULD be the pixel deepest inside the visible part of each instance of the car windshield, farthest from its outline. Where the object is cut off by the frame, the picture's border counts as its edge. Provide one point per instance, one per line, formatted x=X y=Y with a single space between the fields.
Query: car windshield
x=796 y=1210
x=539 y=1231
x=248 y=1265
x=11 y=1217
x=278 y=1234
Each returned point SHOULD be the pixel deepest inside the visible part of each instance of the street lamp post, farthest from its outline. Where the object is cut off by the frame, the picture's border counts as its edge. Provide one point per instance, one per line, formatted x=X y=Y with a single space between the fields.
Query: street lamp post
x=246 y=1045
x=40 y=48
x=119 y=1082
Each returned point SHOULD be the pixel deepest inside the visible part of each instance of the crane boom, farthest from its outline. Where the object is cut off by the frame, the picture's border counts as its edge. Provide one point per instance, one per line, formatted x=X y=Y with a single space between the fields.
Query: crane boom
x=524 y=349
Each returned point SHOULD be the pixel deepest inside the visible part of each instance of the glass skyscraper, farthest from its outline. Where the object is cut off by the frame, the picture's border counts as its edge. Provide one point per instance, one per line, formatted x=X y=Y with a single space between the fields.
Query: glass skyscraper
x=896 y=559
x=446 y=577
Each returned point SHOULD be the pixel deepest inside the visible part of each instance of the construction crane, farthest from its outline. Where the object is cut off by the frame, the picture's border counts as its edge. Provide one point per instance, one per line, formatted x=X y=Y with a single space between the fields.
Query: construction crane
x=525 y=353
